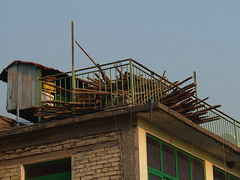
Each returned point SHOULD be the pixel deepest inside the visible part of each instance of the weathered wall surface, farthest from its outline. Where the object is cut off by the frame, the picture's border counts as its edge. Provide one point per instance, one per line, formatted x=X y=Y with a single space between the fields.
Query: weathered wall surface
x=10 y=172
x=103 y=163
x=103 y=148
x=93 y=157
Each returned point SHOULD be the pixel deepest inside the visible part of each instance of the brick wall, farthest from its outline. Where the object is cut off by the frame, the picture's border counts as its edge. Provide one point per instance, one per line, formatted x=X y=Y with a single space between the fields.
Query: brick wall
x=94 y=157
x=103 y=163
x=10 y=172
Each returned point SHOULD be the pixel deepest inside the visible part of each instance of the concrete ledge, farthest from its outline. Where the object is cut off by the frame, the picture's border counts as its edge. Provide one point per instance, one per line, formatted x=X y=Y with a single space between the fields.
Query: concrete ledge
x=162 y=117
x=178 y=125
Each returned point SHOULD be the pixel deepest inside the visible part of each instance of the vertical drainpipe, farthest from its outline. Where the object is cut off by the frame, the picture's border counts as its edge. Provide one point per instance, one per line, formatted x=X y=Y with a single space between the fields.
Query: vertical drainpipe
x=131 y=81
x=73 y=71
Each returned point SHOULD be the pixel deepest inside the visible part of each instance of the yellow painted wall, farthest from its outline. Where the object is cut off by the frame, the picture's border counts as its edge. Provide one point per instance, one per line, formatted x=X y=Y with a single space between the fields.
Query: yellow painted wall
x=210 y=160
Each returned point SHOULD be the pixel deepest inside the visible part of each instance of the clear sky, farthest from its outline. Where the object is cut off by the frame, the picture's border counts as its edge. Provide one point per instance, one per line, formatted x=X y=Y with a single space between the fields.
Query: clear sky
x=177 y=36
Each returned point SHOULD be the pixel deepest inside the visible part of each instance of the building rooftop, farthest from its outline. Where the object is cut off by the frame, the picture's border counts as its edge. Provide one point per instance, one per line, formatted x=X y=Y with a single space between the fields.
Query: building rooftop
x=114 y=85
x=158 y=114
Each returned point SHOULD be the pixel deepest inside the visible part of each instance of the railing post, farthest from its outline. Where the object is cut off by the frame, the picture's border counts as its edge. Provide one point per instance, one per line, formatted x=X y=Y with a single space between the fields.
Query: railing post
x=236 y=134
x=131 y=81
x=73 y=86
x=73 y=71
x=195 y=82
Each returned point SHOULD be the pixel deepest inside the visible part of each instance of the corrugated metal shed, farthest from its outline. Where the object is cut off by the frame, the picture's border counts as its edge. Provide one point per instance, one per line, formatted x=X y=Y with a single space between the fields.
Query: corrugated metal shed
x=45 y=70
x=23 y=88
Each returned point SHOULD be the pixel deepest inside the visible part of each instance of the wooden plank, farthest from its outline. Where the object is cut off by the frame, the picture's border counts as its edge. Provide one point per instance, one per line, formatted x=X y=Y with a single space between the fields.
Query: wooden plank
x=87 y=90
x=99 y=67
x=88 y=82
x=171 y=86
x=88 y=100
x=164 y=73
x=83 y=103
x=179 y=99
x=187 y=87
x=39 y=115
x=207 y=120
x=50 y=107
x=190 y=108
x=89 y=97
x=92 y=92
x=121 y=74
x=47 y=111
x=64 y=112
x=180 y=103
x=55 y=102
x=96 y=81
x=48 y=117
x=195 y=114
x=87 y=108
x=176 y=85
x=99 y=78
x=175 y=96
x=197 y=101
x=209 y=108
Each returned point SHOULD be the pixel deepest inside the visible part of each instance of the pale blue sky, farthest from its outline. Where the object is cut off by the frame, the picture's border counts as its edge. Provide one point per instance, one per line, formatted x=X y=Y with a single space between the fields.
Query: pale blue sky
x=177 y=36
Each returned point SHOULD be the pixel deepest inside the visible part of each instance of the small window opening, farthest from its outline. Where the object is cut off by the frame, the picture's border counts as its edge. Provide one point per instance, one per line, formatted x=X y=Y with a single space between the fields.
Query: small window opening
x=54 y=170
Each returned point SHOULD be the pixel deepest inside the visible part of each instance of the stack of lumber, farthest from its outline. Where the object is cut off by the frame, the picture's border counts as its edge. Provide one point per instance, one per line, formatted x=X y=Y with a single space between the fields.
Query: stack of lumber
x=184 y=102
x=100 y=93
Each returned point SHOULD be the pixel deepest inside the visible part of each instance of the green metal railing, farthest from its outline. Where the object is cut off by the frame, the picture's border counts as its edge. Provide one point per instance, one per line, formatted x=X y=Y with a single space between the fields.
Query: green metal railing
x=120 y=83
x=225 y=126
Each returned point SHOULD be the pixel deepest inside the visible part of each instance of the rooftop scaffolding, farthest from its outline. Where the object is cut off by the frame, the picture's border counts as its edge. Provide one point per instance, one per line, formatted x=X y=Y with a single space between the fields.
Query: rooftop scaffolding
x=128 y=83
x=42 y=94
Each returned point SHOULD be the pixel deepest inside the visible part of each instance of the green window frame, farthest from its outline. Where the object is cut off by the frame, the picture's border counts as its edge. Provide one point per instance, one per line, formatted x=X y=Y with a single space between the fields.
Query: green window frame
x=160 y=171
x=228 y=176
x=54 y=170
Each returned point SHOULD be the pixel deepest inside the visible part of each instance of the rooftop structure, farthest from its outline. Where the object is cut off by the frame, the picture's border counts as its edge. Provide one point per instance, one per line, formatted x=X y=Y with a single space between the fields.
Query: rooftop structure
x=118 y=120
x=42 y=93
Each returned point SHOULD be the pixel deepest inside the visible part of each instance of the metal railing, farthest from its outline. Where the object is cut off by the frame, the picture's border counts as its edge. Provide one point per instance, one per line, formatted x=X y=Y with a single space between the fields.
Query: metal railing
x=120 y=83
x=226 y=126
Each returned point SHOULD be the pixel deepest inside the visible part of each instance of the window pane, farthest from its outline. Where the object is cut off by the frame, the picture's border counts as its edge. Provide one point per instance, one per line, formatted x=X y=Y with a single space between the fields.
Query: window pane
x=169 y=165
x=183 y=166
x=218 y=175
x=233 y=178
x=153 y=153
x=43 y=169
x=153 y=177
x=197 y=169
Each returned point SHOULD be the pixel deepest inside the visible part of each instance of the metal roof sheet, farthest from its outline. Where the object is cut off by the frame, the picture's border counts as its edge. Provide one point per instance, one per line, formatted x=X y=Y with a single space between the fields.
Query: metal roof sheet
x=46 y=70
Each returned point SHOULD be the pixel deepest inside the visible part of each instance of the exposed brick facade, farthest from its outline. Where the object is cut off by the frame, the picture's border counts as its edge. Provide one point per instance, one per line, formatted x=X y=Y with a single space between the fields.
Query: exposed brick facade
x=103 y=162
x=11 y=172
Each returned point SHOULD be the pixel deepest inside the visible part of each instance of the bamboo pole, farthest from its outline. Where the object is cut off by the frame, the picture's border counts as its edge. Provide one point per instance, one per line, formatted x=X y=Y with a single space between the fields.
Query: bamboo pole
x=101 y=71
x=73 y=70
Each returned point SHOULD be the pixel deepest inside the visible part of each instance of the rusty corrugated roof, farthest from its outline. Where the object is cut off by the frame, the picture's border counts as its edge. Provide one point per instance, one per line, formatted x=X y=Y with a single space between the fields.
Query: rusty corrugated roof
x=45 y=70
